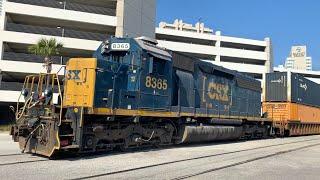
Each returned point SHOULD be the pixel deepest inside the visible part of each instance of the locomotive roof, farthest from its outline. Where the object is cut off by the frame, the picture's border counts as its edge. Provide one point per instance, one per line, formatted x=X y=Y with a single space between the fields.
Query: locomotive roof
x=146 y=44
x=185 y=62
x=153 y=49
x=189 y=63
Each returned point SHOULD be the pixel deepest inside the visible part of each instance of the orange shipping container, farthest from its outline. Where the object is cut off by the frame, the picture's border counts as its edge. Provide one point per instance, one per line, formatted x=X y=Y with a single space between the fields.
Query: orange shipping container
x=286 y=111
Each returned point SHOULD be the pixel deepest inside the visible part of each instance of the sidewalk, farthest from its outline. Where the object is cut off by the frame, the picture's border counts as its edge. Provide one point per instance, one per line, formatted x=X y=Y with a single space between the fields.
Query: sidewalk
x=7 y=146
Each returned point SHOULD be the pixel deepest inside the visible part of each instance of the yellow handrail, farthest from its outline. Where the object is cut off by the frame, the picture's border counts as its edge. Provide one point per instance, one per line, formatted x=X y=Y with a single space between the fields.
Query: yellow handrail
x=29 y=84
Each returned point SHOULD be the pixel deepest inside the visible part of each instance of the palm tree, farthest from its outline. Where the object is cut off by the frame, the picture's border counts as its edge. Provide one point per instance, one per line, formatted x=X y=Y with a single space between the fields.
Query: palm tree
x=47 y=48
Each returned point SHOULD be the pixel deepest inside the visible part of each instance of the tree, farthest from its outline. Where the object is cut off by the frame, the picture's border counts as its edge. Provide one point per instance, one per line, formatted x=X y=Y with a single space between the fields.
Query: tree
x=47 y=48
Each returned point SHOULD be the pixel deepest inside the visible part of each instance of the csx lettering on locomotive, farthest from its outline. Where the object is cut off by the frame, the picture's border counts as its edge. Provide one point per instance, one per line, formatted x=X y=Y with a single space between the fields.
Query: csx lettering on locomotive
x=217 y=91
x=73 y=74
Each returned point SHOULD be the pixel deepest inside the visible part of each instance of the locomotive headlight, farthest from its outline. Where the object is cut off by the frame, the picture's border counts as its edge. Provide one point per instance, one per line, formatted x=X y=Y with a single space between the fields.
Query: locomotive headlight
x=25 y=92
x=48 y=93
x=105 y=47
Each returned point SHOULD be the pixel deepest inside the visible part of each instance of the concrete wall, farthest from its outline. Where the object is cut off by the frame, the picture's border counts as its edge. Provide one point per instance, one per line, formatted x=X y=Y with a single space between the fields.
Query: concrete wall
x=0 y=77
x=212 y=50
x=136 y=18
x=61 y=14
x=27 y=67
x=269 y=51
x=244 y=55
x=29 y=38
x=1 y=2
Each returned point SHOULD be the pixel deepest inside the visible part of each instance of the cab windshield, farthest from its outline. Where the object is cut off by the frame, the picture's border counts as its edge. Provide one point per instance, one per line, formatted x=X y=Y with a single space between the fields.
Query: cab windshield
x=118 y=57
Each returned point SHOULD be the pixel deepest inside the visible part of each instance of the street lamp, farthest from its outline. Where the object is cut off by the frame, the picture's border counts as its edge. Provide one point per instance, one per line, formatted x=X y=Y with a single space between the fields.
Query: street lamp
x=62 y=35
x=62 y=30
x=63 y=3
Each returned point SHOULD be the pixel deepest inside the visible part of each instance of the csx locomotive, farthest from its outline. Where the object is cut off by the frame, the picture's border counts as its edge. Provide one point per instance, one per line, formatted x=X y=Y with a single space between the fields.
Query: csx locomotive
x=133 y=93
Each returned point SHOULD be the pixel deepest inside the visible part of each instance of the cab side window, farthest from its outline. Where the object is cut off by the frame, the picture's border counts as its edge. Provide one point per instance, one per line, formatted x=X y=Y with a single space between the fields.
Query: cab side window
x=158 y=66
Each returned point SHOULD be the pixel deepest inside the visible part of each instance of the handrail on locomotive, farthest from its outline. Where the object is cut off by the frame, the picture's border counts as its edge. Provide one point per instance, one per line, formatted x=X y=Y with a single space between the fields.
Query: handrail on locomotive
x=34 y=92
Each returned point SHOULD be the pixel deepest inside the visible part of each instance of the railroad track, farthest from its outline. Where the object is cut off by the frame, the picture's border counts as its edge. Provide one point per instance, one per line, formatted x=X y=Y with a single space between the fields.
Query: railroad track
x=5 y=155
x=243 y=162
x=150 y=166
x=22 y=155
x=105 y=175
x=23 y=162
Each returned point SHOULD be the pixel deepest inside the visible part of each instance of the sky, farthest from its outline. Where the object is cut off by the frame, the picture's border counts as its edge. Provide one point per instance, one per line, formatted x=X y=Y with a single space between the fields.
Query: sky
x=286 y=22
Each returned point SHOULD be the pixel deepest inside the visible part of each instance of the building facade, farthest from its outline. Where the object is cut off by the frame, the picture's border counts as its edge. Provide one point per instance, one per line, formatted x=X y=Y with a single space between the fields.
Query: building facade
x=253 y=57
x=298 y=59
x=181 y=26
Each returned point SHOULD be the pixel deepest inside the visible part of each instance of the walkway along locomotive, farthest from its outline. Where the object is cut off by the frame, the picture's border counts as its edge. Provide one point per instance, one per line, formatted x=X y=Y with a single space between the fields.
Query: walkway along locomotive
x=133 y=93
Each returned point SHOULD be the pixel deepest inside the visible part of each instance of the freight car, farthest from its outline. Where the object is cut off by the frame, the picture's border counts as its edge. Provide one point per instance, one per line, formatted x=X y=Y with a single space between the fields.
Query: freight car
x=133 y=93
x=293 y=104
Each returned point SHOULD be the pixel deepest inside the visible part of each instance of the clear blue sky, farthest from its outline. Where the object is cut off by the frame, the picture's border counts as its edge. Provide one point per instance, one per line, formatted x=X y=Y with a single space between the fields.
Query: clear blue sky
x=286 y=22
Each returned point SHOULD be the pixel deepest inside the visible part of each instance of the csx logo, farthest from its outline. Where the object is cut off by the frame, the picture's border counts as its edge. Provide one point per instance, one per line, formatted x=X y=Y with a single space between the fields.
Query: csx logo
x=218 y=92
x=304 y=86
x=73 y=75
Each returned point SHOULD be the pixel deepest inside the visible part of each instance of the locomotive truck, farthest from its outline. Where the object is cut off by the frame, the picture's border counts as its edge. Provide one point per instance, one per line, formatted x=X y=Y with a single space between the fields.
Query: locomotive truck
x=131 y=94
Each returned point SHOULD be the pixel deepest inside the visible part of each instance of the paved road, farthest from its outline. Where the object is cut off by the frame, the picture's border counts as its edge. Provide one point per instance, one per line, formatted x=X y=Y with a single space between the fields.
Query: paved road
x=290 y=158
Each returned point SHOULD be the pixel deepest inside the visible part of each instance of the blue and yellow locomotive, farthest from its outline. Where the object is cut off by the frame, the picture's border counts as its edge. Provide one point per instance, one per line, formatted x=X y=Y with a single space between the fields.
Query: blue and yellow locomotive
x=133 y=93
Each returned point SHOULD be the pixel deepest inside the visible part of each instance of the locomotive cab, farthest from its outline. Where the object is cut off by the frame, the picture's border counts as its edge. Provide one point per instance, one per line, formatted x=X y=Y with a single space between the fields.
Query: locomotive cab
x=126 y=79
x=131 y=71
x=128 y=71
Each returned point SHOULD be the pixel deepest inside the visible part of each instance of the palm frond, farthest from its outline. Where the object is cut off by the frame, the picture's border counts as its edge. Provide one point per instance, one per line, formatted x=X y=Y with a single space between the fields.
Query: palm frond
x=46 y=47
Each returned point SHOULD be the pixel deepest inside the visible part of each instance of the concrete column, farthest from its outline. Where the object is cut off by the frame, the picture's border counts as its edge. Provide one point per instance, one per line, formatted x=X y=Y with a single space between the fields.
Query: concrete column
x=3 y=18
x=263 y=84
x=3 y=22
x=136 y=18
x=268 y=66
x=269 y=51
x=1 y=50
x=0 y=77
x=198 y=27
x=120 y=18
x=218 y=45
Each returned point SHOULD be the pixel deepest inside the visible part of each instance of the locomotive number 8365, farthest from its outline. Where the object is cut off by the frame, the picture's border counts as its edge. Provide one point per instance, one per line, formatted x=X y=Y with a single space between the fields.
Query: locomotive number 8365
x=131 y=94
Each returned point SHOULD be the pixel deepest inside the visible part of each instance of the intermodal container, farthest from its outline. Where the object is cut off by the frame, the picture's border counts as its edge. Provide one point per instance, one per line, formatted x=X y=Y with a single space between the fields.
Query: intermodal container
x=291 y=87
x=287 y=111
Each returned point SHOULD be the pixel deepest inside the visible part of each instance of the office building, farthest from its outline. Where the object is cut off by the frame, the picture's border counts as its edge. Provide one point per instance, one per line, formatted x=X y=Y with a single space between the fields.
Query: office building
x=298 y=59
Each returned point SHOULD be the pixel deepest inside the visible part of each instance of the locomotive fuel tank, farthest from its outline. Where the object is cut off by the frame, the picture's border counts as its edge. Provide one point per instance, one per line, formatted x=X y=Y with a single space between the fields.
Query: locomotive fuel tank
x=194 y=134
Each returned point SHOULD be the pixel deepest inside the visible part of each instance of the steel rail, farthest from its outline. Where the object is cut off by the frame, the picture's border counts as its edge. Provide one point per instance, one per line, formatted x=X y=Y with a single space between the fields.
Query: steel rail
x=245 y=162
x=191 y=159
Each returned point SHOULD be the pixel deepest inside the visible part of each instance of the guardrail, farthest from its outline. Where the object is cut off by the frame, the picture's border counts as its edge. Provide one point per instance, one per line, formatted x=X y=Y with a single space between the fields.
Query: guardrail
x=13 y=56
x=69 y=6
